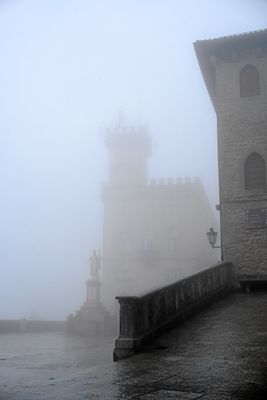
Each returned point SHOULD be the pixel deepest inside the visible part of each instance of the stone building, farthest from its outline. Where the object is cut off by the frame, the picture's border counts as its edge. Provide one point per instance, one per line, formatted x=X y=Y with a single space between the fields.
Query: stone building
x=154 y=232
x=235 y=72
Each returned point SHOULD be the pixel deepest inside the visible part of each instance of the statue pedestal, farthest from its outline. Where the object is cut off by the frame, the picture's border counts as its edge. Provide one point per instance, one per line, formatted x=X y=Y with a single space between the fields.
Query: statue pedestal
x=93 y=295
x=92 y=319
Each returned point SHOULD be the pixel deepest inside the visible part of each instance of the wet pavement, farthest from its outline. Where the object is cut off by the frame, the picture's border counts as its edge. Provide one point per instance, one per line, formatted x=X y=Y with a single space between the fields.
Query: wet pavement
x=221 y=353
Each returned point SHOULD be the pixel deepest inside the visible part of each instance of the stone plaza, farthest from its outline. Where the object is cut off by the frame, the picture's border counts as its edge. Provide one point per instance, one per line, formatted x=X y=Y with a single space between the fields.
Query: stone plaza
x=220 y=353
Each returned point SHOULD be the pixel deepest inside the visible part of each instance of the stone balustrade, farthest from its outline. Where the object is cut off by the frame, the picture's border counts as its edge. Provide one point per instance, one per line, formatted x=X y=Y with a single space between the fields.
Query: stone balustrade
x=142 y=318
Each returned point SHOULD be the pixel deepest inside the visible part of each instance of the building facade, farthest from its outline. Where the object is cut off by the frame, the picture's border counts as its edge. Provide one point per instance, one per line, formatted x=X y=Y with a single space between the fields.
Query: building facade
x=235 y=72
x=154 y=231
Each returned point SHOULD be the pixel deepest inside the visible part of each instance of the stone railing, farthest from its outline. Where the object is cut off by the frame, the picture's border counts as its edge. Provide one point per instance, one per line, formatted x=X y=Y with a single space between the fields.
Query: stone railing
x=142 y=318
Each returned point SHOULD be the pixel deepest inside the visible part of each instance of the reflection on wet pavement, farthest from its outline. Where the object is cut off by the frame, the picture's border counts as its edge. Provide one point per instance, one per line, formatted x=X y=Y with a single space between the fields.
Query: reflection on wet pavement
x=221 y=353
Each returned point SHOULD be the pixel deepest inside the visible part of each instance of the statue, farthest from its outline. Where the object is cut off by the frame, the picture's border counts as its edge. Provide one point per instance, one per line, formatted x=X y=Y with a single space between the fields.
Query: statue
x=95 y=265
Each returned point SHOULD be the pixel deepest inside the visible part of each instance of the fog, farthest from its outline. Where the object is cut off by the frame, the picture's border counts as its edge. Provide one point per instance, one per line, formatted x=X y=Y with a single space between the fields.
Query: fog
x=67 y=69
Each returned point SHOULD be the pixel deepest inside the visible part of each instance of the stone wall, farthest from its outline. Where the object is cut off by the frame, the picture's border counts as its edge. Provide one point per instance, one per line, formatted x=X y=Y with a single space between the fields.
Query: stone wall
x=145 y=317
x=24 y=325
x=242 y=127
x=153 y=235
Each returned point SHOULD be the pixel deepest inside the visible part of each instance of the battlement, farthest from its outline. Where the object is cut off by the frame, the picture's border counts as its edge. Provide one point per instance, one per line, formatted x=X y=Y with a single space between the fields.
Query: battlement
x=127 y=130
x=155 y=185
x=174 y=181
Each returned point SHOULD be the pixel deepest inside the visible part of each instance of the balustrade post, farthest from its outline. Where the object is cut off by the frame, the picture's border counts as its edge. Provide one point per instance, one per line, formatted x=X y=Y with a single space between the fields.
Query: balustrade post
x=125 y=344
x=127 y=316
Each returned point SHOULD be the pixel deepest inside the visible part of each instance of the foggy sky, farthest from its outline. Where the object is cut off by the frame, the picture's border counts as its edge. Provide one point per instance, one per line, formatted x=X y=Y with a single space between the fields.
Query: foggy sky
x=67 y=68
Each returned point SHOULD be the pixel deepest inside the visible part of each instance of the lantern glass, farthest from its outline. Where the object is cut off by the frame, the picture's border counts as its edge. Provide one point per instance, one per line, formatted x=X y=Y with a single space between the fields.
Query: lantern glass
x=212 y=236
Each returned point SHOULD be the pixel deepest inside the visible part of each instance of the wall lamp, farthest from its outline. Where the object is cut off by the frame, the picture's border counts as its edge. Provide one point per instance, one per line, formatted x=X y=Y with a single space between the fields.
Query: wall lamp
x=212 y=237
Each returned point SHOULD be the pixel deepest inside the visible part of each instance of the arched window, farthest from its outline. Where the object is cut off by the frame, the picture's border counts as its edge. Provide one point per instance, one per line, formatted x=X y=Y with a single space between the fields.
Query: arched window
x=249 y=81
x=255 y=176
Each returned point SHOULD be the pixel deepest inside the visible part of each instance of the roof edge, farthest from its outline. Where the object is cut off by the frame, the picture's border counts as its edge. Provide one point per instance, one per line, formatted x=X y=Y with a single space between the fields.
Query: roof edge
x=207 y=48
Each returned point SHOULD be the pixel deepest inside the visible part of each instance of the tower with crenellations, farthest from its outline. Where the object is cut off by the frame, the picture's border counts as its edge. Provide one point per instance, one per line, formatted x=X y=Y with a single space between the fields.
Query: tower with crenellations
x=129 y=149
x=154 y=231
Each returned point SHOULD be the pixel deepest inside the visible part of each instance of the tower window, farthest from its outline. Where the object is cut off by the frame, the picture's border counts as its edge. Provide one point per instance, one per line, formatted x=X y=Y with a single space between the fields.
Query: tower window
x=249 y=81
x=255 y=175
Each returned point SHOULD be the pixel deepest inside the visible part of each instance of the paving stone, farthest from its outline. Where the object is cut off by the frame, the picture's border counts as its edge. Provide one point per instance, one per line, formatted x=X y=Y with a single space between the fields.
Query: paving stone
x=171 y=394
x=220 y=353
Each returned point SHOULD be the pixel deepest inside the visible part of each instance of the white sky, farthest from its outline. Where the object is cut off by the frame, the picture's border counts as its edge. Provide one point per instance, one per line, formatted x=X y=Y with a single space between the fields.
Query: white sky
x=67 y=68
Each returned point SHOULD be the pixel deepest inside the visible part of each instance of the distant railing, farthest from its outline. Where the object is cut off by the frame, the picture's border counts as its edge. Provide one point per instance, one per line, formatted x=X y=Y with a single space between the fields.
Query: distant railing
x=144 y=317
x=24 y=325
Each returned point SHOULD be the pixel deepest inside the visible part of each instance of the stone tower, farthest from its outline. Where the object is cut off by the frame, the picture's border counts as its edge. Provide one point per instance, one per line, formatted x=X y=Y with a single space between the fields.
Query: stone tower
x=154 y=232
x=128 y=149
x=235 y=72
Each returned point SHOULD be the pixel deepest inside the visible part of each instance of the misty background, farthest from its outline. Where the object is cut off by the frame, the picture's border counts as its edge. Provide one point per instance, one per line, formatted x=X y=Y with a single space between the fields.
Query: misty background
x=67 y=68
